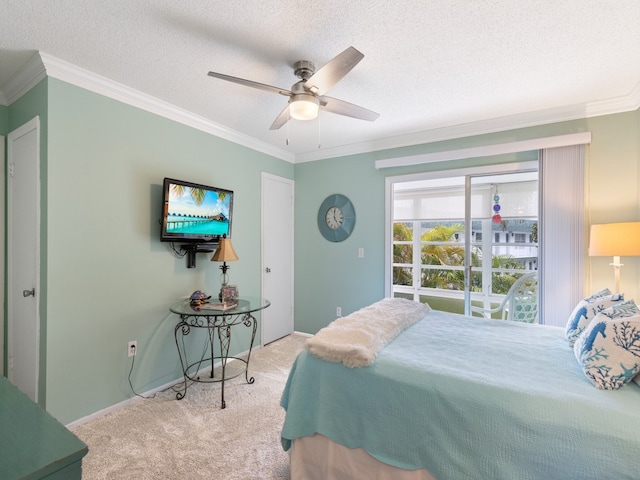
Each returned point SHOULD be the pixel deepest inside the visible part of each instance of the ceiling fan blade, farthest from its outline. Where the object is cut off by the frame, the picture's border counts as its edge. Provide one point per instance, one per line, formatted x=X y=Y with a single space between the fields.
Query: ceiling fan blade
x=341 y=107
x=333 y=71
x=281 y=119
x=251 y=83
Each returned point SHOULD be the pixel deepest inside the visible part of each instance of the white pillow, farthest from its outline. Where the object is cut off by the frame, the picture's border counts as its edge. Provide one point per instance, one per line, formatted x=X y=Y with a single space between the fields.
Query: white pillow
x=586 y=310
x=609 y=348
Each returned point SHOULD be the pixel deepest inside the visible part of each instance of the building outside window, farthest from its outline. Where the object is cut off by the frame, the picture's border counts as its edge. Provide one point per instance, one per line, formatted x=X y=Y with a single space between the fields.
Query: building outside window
x=430 y=258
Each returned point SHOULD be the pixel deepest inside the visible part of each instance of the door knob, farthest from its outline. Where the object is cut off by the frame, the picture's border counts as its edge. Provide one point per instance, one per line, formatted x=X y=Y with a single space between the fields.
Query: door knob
x=28 y=293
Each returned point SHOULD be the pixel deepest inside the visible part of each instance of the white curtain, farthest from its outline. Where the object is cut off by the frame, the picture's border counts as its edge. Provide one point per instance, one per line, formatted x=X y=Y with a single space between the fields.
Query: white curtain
x=518 y=199
x=561 y=272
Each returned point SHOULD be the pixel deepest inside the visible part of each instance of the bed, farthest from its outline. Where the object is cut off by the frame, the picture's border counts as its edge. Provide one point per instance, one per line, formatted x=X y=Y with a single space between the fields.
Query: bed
x=456 y=397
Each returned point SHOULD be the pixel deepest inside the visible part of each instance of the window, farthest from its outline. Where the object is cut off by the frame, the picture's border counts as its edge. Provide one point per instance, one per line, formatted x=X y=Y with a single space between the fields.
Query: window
x=432 y=253
x=560 y=233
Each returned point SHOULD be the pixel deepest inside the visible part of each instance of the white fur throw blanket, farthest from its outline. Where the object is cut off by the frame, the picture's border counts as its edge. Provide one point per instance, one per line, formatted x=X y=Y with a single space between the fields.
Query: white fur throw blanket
x=356 y=339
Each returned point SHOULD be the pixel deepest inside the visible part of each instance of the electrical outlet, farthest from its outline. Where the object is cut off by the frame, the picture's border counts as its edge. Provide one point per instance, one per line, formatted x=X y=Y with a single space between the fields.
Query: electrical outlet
x=338 y=311
x=132 y=348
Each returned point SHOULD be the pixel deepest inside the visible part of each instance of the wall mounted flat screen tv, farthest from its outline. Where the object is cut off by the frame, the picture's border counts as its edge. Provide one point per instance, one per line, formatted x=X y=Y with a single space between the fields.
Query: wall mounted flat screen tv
x=195 y=213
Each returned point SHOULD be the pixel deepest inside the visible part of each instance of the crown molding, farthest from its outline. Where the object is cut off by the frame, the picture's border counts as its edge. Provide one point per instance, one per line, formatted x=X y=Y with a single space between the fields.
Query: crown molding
x=29 y=75
x=42 y=64
x=491 y=125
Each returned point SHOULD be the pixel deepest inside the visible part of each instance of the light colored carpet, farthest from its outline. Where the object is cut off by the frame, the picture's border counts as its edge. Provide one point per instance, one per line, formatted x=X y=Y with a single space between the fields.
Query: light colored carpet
x=192 y=438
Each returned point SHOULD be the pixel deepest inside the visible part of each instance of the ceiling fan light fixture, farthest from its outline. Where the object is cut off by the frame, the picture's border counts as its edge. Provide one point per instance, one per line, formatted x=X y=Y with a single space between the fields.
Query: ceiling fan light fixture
x=305 y=95
x=303 y=106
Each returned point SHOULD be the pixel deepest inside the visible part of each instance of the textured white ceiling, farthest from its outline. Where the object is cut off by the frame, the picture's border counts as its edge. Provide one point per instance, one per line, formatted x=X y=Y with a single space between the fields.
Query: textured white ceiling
x=431 y=68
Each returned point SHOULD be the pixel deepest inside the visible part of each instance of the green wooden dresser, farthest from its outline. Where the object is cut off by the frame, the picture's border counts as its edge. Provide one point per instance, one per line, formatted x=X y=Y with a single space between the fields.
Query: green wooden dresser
x=33 y=444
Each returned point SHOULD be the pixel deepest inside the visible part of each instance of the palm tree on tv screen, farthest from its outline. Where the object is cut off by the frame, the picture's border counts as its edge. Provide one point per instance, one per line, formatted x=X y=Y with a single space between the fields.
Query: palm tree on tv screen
x=197 y=194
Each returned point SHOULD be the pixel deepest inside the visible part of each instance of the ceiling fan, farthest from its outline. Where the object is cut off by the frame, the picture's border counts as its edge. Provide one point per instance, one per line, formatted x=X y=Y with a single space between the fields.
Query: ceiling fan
x=307 y=96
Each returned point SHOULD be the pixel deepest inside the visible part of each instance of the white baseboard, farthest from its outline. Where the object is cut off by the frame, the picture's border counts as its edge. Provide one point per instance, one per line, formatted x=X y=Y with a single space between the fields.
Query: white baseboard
x=147 y=394
x=303 y=333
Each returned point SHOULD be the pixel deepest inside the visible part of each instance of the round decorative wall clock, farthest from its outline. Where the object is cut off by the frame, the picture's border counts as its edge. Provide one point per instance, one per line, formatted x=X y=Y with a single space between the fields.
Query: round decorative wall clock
x=336 y=218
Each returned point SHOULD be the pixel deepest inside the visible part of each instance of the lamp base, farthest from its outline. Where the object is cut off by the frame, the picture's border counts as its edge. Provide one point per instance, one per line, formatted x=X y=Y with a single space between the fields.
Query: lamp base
x=616 y=268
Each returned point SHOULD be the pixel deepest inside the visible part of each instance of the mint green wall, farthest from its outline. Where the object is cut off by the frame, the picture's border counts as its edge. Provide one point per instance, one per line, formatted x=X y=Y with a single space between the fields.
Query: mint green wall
x=4 y=120
x=330 y=274
x=614 y=192
x=109 y=278
x=33 y=103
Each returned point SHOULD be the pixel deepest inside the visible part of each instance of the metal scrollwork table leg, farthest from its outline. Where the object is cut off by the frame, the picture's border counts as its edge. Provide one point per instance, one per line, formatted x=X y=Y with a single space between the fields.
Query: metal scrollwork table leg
x=223 y=324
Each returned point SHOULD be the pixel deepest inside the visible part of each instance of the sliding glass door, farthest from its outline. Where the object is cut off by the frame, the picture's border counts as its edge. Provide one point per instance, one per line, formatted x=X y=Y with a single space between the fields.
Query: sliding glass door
x=504 y=235
x=463 y=240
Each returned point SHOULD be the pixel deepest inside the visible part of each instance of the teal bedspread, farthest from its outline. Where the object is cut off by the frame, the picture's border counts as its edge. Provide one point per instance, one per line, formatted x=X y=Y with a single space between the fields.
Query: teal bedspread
x=469 y=398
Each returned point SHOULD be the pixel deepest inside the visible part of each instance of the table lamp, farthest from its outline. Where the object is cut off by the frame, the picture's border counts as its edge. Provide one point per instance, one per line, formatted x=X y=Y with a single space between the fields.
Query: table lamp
x=615 y=240
x=225 y=253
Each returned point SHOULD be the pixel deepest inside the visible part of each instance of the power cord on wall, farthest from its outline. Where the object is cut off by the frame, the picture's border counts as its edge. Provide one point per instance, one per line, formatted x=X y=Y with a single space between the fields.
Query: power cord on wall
x=178 y=253
x=133 y=361
x=175 y=387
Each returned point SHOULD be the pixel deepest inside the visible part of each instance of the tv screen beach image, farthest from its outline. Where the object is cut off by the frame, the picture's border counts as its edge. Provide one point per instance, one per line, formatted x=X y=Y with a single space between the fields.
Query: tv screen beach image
x=198 y=211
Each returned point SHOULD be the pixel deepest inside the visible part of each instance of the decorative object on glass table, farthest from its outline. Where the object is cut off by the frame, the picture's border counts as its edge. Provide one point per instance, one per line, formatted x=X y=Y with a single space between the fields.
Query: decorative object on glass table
x=229 y=294
x=225 y=253
x=218 y=306
x=198 y=298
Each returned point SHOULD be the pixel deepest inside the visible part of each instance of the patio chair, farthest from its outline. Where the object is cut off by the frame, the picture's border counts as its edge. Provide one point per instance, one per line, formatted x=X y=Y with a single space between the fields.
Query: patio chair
x=521 y=302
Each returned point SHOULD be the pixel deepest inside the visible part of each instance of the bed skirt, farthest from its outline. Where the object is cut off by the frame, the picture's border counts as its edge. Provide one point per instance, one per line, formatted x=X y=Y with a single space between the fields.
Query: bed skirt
x=319 y=458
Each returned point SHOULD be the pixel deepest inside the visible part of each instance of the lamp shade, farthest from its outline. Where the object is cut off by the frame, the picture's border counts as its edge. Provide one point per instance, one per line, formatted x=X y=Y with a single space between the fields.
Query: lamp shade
x=303 y=106
x=225 y=252
x=615 y=239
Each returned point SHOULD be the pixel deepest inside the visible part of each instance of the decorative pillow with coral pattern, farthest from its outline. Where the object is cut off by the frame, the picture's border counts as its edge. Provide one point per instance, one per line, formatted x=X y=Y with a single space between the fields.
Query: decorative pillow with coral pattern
x=609 y=348
x=587 y=310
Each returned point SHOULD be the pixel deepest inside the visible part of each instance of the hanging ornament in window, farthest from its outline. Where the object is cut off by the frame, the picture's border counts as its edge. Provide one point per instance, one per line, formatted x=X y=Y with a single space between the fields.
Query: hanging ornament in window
x=496 y=208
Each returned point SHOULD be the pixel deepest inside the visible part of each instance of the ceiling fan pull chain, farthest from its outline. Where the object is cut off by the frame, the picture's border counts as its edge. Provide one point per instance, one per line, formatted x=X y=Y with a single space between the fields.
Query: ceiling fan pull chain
x=319 y=144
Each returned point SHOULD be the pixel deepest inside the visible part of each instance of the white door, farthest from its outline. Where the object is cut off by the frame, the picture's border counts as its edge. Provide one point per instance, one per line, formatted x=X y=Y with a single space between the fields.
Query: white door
x=277 y=257
x=23 y=257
